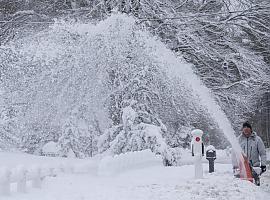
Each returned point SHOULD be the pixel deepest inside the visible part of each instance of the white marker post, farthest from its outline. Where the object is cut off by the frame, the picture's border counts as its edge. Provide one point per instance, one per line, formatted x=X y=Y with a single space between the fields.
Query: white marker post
x=21 y=176
x=197 y=149
x=5 y=181
x=36 y=182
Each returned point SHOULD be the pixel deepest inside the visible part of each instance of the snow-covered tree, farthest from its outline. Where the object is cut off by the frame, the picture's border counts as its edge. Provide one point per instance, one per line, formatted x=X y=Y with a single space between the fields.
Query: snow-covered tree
x=78 y=135
x=31 y=141
x=134 y=82
x=87 y=138
x=69 y=140
x=36 y=134
x=105 y=68
x=9 y=126
x=227 y=41
x=71 y=64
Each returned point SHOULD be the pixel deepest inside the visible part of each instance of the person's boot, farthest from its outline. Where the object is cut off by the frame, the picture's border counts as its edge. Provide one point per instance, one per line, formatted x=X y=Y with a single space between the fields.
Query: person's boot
x=257 y=181
x=236 y=172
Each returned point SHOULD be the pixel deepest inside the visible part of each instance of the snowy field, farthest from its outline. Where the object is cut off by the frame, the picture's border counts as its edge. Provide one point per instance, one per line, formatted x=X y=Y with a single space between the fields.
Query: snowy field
x=139 y=178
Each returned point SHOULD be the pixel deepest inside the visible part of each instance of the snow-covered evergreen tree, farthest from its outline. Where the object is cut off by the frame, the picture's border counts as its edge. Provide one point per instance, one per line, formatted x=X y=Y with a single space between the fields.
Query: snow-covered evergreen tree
x=87 y=138
x=78 y=135
x=9 y=136
x=69 y=140
x=32 y=139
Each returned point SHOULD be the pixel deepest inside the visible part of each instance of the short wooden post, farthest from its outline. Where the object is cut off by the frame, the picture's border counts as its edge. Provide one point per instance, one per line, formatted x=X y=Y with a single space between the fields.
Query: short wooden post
x=61 y=167
x=21 y=175
x=36 y=182
x=5 y=182
x=52 y=171
x=69 y=168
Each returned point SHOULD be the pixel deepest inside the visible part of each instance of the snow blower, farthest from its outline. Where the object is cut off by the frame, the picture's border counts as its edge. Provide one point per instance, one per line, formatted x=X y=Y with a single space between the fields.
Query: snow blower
x=247 y=172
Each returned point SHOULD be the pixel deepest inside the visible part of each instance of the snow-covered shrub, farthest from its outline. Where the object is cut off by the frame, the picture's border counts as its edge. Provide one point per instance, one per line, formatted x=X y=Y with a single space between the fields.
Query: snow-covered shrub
x=134 y=135
x=111 y=165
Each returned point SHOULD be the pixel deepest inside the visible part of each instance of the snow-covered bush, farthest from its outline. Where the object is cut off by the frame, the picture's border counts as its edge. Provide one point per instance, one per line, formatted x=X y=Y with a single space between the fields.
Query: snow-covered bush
x=111 y=165
x=134 y=135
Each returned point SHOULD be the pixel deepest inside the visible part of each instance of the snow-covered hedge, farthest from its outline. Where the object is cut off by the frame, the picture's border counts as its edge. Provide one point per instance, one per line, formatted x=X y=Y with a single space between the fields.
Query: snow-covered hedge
x=111 y=165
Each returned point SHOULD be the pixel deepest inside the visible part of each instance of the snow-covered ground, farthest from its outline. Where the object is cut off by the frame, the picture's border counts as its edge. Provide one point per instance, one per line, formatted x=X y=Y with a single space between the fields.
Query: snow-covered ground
x=152 y=181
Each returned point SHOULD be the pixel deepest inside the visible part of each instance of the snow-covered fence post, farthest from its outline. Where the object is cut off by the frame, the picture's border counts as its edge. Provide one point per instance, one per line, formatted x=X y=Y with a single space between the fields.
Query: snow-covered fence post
x=36 y=182
x=70 y=168
x=61 y=167
x=21 y=175
x=52 y=171
x=197 y=148
x=5 y=182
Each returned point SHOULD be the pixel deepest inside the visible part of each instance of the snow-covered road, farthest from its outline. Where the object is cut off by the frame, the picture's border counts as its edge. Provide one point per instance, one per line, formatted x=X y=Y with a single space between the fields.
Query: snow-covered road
x=151 y=183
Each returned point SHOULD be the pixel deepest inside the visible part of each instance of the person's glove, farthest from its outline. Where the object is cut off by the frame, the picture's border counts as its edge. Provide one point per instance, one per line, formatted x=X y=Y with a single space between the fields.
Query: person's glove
x=263 y=168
